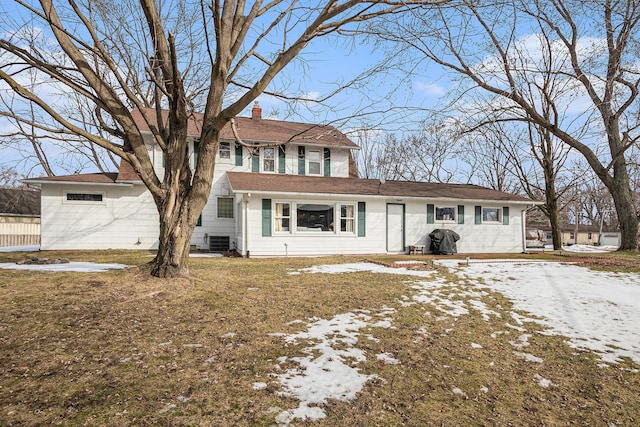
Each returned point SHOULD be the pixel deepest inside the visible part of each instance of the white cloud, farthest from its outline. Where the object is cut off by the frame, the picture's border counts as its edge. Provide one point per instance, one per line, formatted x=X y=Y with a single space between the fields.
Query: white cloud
x=429 y=88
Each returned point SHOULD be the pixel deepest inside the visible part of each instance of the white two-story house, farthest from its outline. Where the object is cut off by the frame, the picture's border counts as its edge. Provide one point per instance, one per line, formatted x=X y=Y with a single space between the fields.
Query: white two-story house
x=296 y=194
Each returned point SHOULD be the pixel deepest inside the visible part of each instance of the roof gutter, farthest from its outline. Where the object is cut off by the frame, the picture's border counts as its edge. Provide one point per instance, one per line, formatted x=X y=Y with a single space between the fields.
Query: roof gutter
x=386 y=196
x=99 y=184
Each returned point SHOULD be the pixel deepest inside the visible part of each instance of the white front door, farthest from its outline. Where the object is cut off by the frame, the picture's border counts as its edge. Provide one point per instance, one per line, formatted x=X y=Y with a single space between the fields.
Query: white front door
x=395 y=228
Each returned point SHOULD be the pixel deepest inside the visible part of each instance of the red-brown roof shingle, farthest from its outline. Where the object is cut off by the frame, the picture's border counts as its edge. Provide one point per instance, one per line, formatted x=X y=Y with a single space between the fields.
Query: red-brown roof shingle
x=88 y=178
x=126 y=172
x=261 y=130
x=247 y=182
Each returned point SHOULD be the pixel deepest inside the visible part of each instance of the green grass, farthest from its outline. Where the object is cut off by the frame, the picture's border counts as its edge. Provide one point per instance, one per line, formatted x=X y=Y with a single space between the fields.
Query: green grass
x=121 y=348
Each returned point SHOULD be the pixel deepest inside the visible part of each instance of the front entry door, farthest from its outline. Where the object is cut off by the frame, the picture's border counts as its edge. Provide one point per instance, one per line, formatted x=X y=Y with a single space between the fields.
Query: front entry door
x=395 y=228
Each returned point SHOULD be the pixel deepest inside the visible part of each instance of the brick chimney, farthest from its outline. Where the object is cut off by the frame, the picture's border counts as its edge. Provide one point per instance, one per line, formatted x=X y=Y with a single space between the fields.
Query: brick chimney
x=256 y=111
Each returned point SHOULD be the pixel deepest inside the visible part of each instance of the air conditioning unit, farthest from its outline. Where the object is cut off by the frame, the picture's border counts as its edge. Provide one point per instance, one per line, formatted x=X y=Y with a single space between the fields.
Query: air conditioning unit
x=219 y=244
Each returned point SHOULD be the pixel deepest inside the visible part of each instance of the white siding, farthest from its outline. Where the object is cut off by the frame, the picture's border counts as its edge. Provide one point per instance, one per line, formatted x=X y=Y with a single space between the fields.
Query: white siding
x=316 y=243
x=340 y=162
x=211 y=224
x=475 y=238
x=125 y=219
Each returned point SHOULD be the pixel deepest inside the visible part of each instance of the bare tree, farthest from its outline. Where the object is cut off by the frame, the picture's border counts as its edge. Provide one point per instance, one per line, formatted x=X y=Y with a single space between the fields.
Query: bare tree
x=211 y=57
x=431 y=153
x=486 y=153
x=527 y=160
x=374 y=158
x=591 y=47
x=10 y=177
x=595 y=205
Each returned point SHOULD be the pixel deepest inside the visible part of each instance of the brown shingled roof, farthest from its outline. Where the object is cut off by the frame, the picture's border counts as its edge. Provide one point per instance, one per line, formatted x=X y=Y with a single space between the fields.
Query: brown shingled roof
x=19 y=202
x=89 y=178
x=126 y=172
x=263 y=130
x=247 y=182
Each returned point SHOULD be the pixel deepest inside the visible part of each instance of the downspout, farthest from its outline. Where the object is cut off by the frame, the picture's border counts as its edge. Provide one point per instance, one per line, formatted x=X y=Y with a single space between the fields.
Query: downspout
x=245 y=221
x=524 y=228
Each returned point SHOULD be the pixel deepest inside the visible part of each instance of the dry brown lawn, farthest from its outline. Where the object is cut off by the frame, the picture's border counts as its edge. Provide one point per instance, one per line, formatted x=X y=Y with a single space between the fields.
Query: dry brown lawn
x=121 y=348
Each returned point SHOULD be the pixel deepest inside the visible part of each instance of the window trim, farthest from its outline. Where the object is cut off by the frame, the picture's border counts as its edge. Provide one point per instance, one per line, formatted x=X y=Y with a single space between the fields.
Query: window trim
x=319 y=162
x=313 y=230
x=499 y=215
x=452 y=220
x=357 y=219
x=226 y=150
x=263 y=159
x=102 y=194
x=276 y=217
x=353 y=218
x=218 y=198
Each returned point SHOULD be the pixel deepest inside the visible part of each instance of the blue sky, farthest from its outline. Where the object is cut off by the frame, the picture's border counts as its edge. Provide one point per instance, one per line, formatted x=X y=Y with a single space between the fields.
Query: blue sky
x=327 y=64
x=330 y=63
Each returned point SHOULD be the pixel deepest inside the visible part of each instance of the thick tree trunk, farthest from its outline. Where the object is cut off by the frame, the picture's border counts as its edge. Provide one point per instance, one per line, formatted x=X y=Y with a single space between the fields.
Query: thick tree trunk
x=550 y=193
x=173 y=249
x=627 y=215
x=554 y=221
x=182 y=204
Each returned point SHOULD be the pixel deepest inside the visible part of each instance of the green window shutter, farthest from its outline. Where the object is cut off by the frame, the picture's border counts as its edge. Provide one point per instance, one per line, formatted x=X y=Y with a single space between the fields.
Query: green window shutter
x=255 y=161
x=266 y=217
x=505 y=215
x=301 y=160
x=238 y=154
x=164 y=159
x=199 y=223
x=281 y=158
x=327 y=162
x=478 y=214
x=362 y=219
x=196 y=150
x=430 y=214
x=460 y=214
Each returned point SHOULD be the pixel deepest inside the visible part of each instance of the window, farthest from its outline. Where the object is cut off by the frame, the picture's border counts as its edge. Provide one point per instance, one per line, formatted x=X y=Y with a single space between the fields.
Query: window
x=84 y=197
x=314 y=217
x=268 y=160
x=283 y=217
x=491 y=215
x=446 y=214
x=305 y=218
x=238 y=148
x=301 y=160
x=224 y=150
x=315 y=162
x=347 y=218
x=225 y=207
